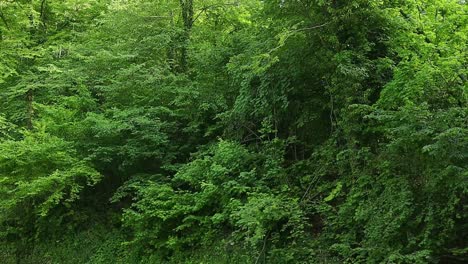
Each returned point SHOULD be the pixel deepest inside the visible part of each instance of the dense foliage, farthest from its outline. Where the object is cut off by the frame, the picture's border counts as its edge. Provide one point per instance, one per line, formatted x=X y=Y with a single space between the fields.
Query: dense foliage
x=246 y=131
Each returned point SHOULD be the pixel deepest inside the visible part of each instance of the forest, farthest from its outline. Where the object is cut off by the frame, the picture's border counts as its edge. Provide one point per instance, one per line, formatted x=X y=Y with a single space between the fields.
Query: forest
x=233 y=131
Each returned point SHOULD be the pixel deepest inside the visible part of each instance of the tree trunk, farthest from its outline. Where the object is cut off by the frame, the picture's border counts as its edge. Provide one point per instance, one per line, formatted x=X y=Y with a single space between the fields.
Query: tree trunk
x=187 y=16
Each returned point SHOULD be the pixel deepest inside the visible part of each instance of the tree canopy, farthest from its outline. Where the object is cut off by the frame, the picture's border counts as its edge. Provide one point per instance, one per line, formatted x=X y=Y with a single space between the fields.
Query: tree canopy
x=233 y=131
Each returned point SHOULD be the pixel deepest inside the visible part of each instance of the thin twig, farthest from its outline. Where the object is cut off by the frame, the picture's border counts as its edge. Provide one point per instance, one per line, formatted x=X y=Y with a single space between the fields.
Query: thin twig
x=310 y=28
x=263 y=248
x=308 y=189
x=298 y=30
x=209 y=7
x=158 y=17
x=253 y=132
